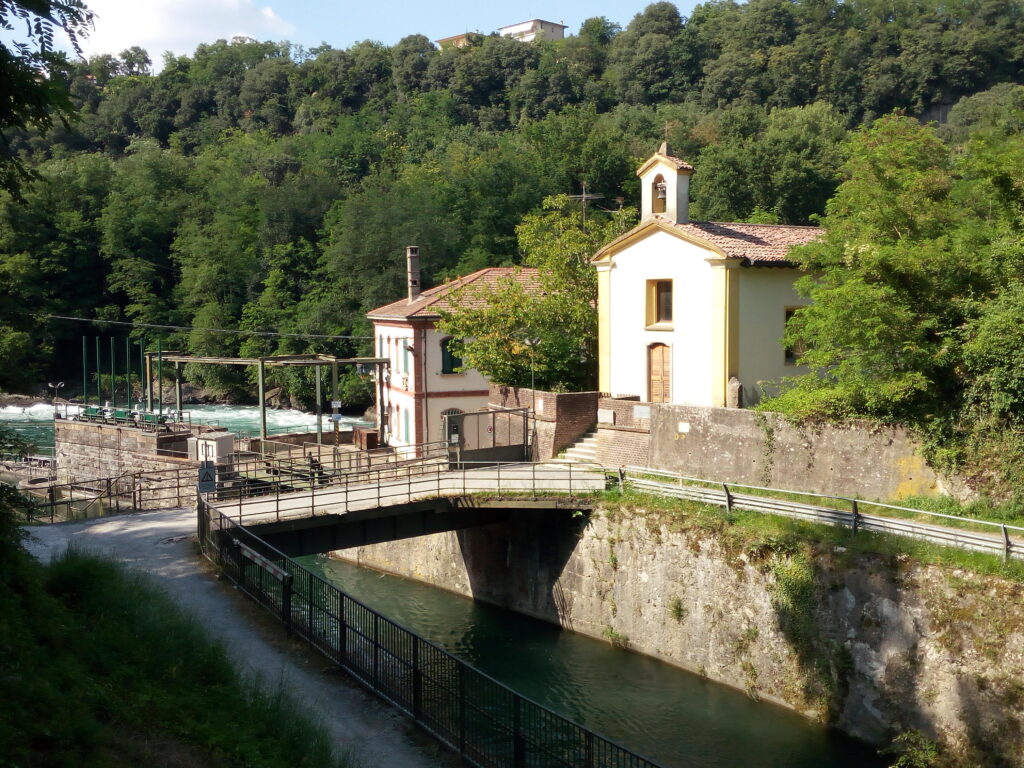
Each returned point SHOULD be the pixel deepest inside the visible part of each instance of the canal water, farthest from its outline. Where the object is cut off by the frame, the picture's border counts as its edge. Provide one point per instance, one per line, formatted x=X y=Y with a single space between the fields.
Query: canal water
x=669 y=715
x=35 y=423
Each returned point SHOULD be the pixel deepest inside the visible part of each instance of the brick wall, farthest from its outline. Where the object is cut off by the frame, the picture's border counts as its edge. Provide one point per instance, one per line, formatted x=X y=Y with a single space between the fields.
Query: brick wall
x=623 y=431
x=561 y=418
x=622 y=448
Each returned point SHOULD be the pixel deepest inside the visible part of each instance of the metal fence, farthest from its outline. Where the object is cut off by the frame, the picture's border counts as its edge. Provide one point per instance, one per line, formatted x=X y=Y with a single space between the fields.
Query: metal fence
x=850 y=514
x=486 y=722
x=279 y=498
x=128 y=492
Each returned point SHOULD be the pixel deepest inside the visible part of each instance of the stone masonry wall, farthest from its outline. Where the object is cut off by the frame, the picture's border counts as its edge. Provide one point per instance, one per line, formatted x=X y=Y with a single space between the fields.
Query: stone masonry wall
x=741 y=446
x=887 y=647
x=87 y=451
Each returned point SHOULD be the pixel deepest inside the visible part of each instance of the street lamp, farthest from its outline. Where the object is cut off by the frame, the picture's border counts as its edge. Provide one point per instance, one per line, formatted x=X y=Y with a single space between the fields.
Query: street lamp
x=532 y=343
x=55 y=387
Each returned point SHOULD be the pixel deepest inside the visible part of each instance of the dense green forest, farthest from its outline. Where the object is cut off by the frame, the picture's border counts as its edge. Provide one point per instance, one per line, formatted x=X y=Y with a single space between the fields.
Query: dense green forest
x=263 y=186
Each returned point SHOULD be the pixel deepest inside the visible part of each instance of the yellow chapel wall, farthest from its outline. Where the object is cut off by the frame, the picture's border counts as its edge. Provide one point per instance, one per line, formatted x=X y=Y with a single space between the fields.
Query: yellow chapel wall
x=765 y=293
x=660 y=256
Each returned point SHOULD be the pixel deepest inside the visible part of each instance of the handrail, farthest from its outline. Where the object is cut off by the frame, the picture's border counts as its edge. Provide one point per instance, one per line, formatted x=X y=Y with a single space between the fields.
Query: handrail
x=853 y=518
x=849 y=499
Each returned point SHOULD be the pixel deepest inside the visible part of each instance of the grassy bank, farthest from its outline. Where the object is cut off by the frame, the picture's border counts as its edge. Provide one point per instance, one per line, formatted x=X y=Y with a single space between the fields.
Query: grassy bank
x=760 y=536
x=98 y=667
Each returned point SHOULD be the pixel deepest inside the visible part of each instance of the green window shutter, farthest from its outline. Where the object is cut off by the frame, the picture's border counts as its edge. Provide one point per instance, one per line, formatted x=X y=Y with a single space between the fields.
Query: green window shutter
x=449 y=363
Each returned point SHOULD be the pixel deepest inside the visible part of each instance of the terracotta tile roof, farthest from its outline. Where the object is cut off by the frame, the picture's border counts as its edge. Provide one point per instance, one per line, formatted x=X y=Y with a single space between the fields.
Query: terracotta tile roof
x=432 y=301
x=681 y=165
x=755 y=243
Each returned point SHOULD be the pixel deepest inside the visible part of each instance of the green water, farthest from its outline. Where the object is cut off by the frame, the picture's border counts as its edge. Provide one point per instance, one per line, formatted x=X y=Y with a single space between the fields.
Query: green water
x=671 y=716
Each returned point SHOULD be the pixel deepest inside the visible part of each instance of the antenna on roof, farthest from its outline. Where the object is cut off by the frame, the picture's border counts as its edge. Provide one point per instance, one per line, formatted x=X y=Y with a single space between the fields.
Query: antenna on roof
x=586 y=198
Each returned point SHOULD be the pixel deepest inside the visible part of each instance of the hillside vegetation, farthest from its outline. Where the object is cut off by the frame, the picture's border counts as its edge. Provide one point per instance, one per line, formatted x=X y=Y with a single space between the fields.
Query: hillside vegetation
x=260 y=185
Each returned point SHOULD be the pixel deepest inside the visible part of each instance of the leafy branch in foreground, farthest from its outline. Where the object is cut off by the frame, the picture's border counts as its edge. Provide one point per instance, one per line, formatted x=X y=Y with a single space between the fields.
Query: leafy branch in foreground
x=32 y=90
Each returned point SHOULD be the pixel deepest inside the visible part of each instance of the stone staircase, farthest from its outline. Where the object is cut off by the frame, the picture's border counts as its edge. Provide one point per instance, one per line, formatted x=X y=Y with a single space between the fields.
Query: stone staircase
x=583 y=450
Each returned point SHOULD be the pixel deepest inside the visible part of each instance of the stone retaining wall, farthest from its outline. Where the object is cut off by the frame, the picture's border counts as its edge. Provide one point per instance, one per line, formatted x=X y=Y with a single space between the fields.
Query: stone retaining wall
x=87 y=451
x=876 y=646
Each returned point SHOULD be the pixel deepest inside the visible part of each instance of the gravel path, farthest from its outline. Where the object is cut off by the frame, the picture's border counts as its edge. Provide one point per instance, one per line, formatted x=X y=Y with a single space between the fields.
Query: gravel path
x=162 y=543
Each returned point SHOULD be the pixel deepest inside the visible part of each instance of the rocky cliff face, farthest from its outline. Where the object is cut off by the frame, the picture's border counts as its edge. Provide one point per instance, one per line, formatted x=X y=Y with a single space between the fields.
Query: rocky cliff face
x=876 y=645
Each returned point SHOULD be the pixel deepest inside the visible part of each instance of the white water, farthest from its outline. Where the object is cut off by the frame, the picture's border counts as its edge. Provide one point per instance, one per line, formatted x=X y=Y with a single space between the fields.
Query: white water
x=35 y=422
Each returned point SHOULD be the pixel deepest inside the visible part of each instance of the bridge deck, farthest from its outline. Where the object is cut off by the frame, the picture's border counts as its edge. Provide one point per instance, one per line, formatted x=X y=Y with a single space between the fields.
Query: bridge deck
x=418 y=483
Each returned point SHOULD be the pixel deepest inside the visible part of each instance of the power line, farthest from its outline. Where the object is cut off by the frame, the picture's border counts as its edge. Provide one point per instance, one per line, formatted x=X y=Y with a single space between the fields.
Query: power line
x=237 y=332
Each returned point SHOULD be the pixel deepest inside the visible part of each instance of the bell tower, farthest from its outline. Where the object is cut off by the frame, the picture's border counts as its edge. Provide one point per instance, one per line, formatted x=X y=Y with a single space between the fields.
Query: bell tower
x=665 y=187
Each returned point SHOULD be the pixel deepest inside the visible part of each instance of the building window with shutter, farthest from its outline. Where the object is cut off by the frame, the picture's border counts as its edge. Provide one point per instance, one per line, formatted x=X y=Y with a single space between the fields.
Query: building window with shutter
x=450 y=362
x=659 y=305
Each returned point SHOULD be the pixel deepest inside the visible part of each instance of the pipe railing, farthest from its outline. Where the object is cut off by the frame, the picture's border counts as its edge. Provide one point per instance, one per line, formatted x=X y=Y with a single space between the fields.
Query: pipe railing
x=401 y=484
x=300 y=489
x=849 y=513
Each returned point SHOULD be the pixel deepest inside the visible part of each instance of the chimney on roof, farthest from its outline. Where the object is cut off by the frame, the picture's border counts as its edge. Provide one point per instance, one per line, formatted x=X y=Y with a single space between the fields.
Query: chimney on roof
x=412 y=271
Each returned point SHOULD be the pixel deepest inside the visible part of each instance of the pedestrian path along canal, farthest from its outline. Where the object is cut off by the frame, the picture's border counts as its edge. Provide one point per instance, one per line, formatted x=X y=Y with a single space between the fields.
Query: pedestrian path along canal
x=667 y=714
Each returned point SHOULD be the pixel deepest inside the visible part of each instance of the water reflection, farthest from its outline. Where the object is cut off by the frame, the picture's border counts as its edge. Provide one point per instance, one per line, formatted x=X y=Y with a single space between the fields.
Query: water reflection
x=673 y=717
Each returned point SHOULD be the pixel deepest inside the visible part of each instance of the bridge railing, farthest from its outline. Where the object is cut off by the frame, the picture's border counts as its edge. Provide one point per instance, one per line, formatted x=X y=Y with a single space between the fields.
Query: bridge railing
x=968 y=533
x=303 y=462
x=483 y=720
x=404 y=483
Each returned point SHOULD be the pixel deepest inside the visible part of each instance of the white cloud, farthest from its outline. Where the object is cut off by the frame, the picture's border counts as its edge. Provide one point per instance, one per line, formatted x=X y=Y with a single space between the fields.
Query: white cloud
x=178 y=25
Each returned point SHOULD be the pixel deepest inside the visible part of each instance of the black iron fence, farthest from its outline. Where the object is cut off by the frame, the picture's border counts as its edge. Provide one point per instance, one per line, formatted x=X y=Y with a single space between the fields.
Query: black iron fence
x=486 y=722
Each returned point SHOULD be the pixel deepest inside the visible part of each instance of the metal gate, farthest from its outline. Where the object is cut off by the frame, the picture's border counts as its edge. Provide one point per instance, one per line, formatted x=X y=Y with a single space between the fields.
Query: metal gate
x=499 y=434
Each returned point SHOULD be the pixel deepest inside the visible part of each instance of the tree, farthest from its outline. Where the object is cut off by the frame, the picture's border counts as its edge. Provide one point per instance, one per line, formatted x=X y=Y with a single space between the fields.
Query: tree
x=887 y=282
x=26 y=99
x=557 y=309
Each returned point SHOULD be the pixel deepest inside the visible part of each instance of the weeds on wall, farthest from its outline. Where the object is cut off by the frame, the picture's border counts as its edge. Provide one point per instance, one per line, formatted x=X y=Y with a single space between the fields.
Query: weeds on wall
x=763 y=420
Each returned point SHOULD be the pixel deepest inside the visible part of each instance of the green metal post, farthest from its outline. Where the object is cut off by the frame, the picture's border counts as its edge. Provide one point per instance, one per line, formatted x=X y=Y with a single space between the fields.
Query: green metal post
x=99 y=373
x=113 y=375
x=160 y=376
x=177 y=388
x=127 y=373
x=142 y=370
x=263 y=405
x=85 y=372
x=334 y=401
x=319 y=408
x=149 y=382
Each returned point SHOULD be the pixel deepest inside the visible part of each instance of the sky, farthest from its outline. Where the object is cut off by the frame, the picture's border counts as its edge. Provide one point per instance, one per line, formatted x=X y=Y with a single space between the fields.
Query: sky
x=180 y=25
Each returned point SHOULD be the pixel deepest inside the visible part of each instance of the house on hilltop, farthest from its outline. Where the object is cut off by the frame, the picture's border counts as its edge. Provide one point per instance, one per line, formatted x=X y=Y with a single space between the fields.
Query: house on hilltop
x=694 y=312
x=524 y=32
x=534 y=29
x=426 y=381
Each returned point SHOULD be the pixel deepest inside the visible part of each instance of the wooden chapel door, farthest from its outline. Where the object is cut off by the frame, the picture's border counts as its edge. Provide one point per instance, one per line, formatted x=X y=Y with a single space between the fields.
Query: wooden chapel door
x=659 y=373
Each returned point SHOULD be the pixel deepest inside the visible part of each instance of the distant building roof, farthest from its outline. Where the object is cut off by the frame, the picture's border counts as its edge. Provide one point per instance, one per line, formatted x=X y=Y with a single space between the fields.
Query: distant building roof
x=455 y=38
x=433 y=301
x=532 y=21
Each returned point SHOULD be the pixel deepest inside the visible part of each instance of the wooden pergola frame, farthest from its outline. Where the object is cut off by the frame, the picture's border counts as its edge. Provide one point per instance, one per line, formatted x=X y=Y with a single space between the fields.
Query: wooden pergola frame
x=315 y=360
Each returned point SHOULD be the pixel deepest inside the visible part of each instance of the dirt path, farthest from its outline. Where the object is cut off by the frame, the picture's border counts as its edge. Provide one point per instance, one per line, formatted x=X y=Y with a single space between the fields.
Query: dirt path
x=162 y=544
